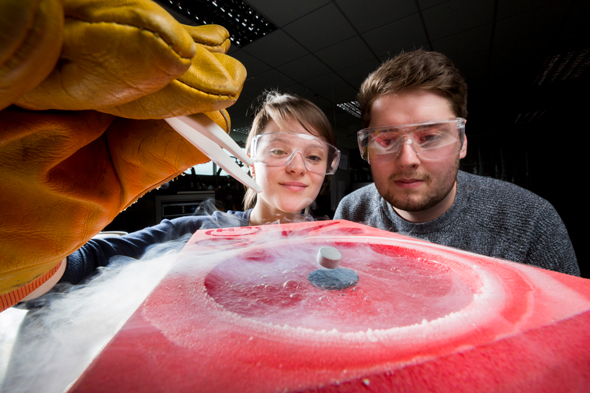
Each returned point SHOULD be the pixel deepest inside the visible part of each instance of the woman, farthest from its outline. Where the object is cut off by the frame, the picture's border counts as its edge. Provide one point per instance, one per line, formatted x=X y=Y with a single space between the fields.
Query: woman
x=292 y=145
x=293 y=148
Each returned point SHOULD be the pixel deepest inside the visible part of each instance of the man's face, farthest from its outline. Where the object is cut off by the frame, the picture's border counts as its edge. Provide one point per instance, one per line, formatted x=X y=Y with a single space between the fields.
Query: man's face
x=408 y=183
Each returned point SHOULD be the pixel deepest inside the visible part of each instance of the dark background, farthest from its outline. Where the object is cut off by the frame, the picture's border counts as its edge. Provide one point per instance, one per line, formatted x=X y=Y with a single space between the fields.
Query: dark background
x=525 y=61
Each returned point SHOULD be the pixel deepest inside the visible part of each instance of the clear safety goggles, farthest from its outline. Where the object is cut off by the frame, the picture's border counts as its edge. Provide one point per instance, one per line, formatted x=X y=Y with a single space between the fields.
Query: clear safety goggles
x=432 y=140
x=279 y=149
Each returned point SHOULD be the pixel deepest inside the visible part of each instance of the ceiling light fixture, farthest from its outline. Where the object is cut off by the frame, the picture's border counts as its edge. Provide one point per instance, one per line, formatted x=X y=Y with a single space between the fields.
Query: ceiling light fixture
x=562 y=67
x=529 y=117
x=241 y=130
x=351 y=107
x=244 y=24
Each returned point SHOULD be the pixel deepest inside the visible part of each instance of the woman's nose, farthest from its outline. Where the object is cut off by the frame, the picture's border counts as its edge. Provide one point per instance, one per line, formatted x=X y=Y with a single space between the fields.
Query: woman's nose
x=297 y=163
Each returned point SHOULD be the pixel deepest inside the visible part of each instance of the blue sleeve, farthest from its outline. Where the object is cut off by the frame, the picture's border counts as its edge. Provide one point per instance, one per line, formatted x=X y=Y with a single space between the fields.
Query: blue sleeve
x=98 y=252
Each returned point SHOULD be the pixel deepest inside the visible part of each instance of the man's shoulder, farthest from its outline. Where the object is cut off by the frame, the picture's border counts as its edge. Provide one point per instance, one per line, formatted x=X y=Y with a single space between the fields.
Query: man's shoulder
x=502 y=206
x=498 y=191
x=363 y=194
x=359 y=203
x=521 y=225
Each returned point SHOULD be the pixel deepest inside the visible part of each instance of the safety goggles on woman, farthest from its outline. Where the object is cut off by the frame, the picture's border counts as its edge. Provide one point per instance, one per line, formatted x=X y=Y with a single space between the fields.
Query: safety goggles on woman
x=430 y=141
x=279 y=149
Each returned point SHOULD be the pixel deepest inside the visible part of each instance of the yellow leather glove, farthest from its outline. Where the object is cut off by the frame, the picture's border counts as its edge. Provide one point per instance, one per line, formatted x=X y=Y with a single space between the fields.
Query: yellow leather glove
x=30 y=41
x=132 y=59
x=75 y=153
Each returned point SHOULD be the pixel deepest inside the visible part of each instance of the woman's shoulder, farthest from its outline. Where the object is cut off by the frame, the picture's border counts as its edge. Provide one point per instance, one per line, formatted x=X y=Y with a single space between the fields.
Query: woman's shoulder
x=239 y=214
x=231 y=218
x=217 y=219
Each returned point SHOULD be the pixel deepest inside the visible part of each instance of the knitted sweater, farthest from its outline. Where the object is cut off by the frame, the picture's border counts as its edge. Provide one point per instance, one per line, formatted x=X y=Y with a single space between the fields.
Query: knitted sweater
x=489 y=217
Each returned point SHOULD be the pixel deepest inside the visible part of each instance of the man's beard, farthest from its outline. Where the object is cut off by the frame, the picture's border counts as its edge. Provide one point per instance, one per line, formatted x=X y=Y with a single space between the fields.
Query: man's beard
x=426 y=200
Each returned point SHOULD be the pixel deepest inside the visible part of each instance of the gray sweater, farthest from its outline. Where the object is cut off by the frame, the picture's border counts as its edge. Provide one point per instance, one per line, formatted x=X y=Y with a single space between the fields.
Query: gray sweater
x=488 y=217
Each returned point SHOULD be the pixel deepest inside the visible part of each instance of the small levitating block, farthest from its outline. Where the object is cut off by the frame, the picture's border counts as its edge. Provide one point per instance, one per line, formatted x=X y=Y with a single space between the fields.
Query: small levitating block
x=329 y=257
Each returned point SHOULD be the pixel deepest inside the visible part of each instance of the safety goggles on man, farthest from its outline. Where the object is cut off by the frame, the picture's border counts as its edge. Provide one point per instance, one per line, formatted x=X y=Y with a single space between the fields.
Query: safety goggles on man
x=279 y=149
x=432 y=140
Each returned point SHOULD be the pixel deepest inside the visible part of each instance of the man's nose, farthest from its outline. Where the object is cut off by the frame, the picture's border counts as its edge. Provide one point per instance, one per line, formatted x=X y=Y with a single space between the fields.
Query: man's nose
x=297 y=163
x=407 y=156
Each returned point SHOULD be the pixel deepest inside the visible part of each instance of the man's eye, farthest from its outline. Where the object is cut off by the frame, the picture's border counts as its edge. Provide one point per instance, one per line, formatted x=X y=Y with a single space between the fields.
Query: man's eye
x=385 y=141
x=429 y=138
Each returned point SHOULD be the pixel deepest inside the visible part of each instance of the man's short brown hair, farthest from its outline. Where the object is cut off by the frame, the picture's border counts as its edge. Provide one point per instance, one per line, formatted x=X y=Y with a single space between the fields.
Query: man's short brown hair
x=418 y=69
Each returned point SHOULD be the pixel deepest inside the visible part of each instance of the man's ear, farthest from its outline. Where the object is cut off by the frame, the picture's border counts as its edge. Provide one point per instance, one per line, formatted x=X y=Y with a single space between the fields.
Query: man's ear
x=463 y=152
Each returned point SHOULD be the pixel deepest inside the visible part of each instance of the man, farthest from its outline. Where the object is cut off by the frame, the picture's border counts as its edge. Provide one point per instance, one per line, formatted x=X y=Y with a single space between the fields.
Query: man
x=414 y=107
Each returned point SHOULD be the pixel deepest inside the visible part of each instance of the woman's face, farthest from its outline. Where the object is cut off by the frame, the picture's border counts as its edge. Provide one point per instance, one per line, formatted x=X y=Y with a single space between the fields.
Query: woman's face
x=286 y=189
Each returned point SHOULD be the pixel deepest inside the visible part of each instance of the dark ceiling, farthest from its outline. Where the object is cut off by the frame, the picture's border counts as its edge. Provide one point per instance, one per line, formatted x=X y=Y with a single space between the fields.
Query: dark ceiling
x=508 y=50
x=526 y=63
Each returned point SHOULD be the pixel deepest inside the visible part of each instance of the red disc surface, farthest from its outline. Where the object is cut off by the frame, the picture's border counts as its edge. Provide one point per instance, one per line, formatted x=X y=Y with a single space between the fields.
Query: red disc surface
x=237 y=313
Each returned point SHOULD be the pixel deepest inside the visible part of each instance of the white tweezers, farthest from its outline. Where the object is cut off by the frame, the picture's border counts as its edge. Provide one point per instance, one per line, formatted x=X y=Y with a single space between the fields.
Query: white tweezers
x=206 y=136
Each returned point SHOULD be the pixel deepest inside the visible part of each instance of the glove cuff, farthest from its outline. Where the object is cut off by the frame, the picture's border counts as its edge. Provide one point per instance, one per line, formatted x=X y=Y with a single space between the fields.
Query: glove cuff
x=9 y=299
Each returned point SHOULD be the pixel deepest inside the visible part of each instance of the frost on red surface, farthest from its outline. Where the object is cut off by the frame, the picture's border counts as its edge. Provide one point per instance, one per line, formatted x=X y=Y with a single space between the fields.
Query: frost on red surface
x=237 y=314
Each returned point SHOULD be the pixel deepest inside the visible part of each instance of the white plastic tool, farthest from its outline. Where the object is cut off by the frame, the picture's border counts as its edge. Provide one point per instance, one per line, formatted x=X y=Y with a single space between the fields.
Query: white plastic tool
x=207 y=136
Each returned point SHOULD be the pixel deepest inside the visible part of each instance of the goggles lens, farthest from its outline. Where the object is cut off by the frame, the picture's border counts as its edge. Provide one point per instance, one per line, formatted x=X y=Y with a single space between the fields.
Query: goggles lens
x=279 y=149
x=430 y=141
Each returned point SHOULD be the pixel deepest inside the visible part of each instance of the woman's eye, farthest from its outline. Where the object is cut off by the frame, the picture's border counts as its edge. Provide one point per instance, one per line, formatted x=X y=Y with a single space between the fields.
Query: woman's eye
x=314 y=159
x=278 y=152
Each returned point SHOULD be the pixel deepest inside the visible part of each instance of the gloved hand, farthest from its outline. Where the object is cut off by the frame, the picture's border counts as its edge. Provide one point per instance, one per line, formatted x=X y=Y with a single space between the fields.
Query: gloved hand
x=74 y=153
